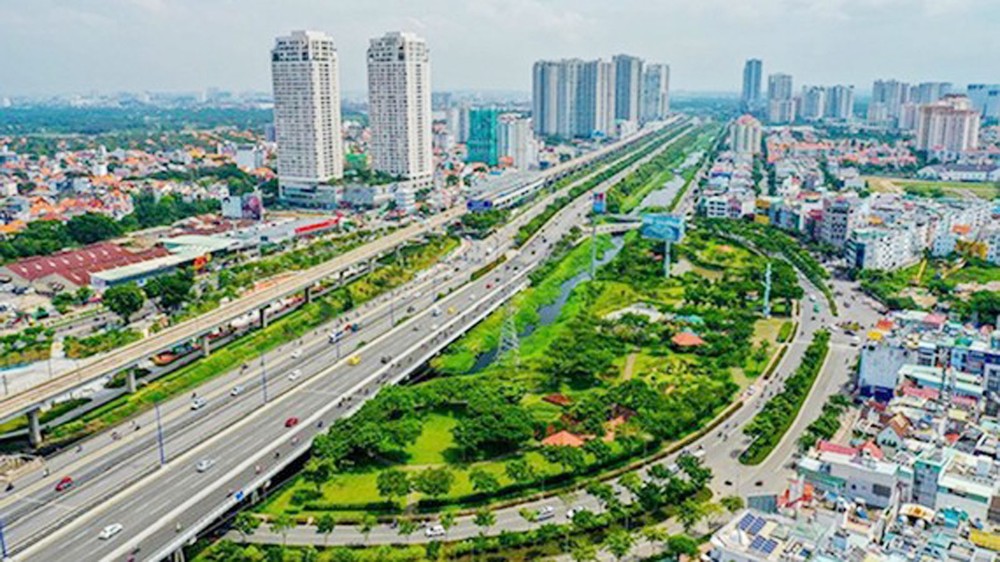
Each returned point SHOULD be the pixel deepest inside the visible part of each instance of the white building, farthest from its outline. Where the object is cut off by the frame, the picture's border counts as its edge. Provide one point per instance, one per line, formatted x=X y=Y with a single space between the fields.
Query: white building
x=892 y=94
x=839 y=103
x=813 y=103
x=399 y=98
x=950 y=125
x=655 y=92
x=780 y=103
x=884 y=249
x=306 y=83
x=745 y=136
x=518 y=141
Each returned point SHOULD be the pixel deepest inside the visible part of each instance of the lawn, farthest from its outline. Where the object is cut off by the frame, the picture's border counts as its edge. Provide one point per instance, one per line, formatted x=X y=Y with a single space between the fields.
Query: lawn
x=925 y=188
x=601 y=365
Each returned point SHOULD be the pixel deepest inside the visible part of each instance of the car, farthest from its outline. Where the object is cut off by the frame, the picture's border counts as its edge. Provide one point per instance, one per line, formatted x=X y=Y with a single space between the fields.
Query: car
x=198 y=403
x=571 y=512
x=65 y=484
x=434 y=531
x=294 y=374
x=204 y=464
x=489 y=286
x=354 y=360
x=296 y=354
x=545 y=512
x=236 y=391
x=110 y=531
x=292 y=422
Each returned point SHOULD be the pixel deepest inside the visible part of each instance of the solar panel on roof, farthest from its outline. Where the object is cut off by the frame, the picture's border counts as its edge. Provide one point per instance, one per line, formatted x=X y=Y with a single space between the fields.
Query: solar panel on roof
x=758 y=524
x=746 y=522
x=769 y=546
x=758 y=543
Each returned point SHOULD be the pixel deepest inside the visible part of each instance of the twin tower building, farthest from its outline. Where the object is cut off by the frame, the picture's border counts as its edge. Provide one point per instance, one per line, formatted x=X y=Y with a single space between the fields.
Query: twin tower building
x=306 y=82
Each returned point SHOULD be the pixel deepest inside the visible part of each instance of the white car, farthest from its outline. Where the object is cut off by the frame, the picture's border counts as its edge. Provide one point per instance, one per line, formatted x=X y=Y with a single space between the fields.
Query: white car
x=434 y=531
x=294 y=374
x=198 y=403
x=204 y=464
x=236 y=391
x=571 y=512
x=110 y=531
x=296 y=354
x=545 y=512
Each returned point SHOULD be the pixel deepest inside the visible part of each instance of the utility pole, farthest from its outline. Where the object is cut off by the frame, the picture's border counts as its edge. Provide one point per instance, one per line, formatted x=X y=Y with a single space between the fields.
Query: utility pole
x=510 y=344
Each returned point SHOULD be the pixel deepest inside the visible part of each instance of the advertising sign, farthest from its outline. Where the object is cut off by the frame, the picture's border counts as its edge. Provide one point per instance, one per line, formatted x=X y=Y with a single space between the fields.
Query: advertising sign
x=668 y=228
x=600 y=203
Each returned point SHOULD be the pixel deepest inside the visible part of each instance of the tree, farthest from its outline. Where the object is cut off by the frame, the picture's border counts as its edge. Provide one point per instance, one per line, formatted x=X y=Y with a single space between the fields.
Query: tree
x=732 y=504
x=368 y=522
x=89 y=228
x=325 y=525
x=246 y=524
x=483 y=481
x=583 y=551
x=689 y=513
x=484 y=518
x=682 y=544
x=655 y=535
x=528 y=514
x=631 y=482
x=392 y=484
x=124 y=300
x=309 y=554
x=519 y=471
x=173 y=290
x=317 y=472
x=434 y=482
x=407 y=527
x=619 y=543
x=281 y=525
x=447 y=521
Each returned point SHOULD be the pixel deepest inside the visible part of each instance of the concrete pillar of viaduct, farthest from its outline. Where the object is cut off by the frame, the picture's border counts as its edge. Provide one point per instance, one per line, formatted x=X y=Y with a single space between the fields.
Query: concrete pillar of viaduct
x=34 y=428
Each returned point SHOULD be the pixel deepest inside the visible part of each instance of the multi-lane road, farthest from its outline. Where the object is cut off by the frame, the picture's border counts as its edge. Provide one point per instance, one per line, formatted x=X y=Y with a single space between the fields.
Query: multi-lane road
x=119 y=480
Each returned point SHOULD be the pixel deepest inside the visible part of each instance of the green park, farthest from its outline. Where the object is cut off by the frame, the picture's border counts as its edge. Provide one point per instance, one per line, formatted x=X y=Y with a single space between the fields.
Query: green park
x=592 y=375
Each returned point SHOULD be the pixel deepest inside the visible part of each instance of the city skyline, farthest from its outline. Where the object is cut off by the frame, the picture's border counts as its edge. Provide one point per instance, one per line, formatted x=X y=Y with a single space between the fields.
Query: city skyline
x=221 y=47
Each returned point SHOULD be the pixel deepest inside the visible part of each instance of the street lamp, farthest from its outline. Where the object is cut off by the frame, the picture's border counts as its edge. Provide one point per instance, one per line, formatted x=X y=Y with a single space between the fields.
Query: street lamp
x=263 y=375
x=159 y=435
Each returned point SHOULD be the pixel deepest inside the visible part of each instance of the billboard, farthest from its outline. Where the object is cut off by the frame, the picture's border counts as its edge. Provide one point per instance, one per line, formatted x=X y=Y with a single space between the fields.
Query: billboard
x=600 y=203
x=668 y=228
x=253 y=206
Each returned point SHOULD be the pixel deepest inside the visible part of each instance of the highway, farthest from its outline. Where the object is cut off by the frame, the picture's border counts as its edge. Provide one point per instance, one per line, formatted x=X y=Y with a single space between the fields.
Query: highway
x=185 y=331
x=29 y=400
x=228 y=426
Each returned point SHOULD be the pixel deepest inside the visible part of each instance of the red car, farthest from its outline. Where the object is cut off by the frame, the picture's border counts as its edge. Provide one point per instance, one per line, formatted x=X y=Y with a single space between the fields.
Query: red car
x=64 y=484
x=292 y=422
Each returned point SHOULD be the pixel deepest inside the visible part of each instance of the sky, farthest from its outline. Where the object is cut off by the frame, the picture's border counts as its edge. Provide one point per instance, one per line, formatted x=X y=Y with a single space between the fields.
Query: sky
x=78 y=46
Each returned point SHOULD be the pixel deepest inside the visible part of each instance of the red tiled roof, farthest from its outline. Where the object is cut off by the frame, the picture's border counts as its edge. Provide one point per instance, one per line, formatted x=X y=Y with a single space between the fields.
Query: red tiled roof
x=558 y=399
x=76 y=265
x=827 y=447
x=687 y=339
x=872 y=449
x=563 y=439
x=884 y=325
x=928 y=393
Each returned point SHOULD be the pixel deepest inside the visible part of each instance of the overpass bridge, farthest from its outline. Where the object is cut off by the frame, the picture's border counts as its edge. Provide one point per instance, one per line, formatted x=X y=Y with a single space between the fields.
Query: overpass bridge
x=31 y=401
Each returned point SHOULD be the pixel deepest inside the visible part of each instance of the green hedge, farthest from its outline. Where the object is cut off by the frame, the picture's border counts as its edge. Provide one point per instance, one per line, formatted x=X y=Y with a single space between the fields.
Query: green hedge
x=769 y=426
